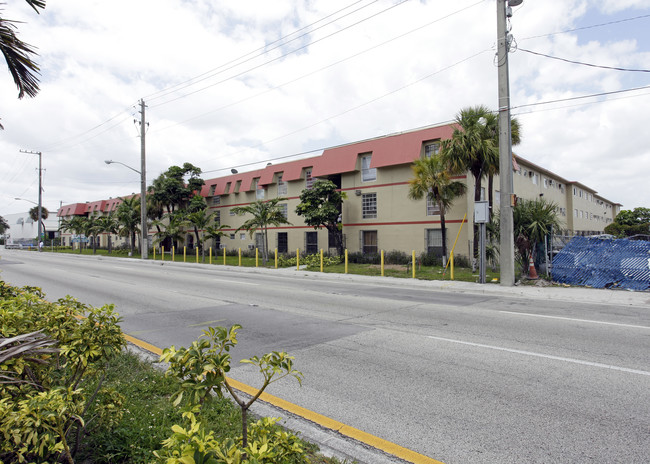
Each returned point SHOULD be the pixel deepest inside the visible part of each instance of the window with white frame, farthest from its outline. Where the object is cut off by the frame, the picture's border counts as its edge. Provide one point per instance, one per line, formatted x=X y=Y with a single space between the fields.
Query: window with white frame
x=431 y=149
x=368 y=174
x=575 y=212
x=309 y=180
x=432 y=207
x=259 y=191
x=282 y=186
x=217 y=218
x=242 y=236
x=232 y=213
x=369 y=242
x=369 y=206
x=216 y=200
x=284 y=209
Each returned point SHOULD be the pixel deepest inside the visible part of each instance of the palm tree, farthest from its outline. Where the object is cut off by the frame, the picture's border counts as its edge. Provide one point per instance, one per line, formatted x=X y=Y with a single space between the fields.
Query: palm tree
x=433 y=180
x=128 y=216
x=109 y=225
x=93 y=228
x=265 y=213
x=215 y=231
x=199 y=220
x=171 y=228
x=76 y=225
x=33 y=214
x=472 y=145
x=533 y=220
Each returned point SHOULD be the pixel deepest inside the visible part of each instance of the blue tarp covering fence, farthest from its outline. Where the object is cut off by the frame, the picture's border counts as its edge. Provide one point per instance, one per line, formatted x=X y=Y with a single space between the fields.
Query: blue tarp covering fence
x=604 y=263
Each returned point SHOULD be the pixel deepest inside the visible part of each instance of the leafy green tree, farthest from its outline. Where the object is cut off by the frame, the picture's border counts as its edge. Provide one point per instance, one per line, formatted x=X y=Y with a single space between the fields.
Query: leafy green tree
x=128 y=216
x=630 y=222
x=433 y=180
x=533 y=221
x=320 y=205
x=265 y=214
x=4 y=225
x=19 y=55
x=172 y=191
x=215 y=231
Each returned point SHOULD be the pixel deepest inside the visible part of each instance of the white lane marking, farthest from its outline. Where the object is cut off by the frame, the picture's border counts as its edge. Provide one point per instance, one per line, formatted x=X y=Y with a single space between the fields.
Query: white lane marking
x=577 y=320
x=546 y=356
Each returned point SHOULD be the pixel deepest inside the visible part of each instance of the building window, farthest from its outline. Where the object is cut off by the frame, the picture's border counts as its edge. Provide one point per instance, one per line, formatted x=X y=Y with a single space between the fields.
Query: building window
x=217 y=218
x=369 y=242
x=232 y=236
x=212 y=188
x=216 y=200
x=309 y=180
x=283 y=242
x=433 y=239
x=432 y=207
x=227 y=189
x=545 y=182
x=237 y=185
x=575 y=212
x=535 y=179
x=282 y=186
x=232 y=213
x=242 y=236
x=367 y=173
x=431 y=149
x=369 y=205
x=284 y=209
x=311 y=243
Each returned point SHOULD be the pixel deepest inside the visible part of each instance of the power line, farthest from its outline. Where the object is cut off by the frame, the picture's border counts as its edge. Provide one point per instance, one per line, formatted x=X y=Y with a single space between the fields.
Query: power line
x=587 y=27
x=280 y=56
x=582 y=63
x=229 y=105
x=264 y=50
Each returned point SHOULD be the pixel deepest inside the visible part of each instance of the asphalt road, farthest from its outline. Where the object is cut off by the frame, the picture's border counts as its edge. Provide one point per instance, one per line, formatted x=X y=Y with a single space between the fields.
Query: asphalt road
x=461 y=377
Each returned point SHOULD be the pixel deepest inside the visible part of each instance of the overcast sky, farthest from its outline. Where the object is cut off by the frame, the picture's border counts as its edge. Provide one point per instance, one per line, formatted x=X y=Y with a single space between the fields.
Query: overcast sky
x=228 y=83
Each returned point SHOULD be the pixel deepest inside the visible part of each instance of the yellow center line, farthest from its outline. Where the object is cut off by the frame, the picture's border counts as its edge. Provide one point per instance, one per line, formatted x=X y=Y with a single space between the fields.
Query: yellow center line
x=323 y=421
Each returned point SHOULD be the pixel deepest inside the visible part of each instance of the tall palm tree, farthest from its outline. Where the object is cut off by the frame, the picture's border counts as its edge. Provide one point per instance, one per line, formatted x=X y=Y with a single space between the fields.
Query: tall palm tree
x=472 y=145
x=215 y=231
x=433 y=180
x=128 y=216
x=265 y=214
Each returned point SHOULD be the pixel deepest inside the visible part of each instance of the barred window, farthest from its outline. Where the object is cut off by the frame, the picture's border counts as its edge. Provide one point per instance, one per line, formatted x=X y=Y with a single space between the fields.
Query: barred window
x=309 y=180
x=431 y=149
x=432 y=207
x=369 y=205
x=282 y=186
x=284 y=209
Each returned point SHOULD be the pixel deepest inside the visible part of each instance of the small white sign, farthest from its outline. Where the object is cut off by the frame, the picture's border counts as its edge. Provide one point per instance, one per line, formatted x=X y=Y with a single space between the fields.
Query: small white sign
x=481 y=212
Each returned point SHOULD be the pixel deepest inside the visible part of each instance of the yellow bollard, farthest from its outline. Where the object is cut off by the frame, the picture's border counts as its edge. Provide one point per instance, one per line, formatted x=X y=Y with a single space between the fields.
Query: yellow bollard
x=346 y=260
x=382 y=263
x=414 y=264
x=173 y=253
x=184 y=253
x=210 y=255
x=257 y=257
x=451 y=259
x=154 y=253
x=240 y=257
x=197 y=254
x=162 y=254
x=297 y=259
x=276 y=258
x=321 y=260
x=224 y=256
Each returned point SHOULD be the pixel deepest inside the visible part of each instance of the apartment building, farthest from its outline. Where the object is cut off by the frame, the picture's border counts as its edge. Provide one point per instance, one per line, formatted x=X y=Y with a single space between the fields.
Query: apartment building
x=377 y=213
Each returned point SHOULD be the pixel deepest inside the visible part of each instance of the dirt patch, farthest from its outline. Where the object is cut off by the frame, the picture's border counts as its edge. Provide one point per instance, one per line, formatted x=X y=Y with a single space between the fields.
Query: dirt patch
x=395 y=267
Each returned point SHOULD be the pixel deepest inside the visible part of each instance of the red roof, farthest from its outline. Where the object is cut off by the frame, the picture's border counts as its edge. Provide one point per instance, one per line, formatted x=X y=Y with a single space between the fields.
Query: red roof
x=391 y=150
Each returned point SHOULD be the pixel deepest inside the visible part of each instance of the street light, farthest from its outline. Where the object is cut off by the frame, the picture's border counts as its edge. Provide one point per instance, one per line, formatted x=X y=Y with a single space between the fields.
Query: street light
x=144 y=246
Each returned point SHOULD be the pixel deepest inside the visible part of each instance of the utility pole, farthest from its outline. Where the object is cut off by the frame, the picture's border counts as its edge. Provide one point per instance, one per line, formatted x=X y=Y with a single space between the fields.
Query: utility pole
x=40 y=192
x=506 y=193
x=144 y=234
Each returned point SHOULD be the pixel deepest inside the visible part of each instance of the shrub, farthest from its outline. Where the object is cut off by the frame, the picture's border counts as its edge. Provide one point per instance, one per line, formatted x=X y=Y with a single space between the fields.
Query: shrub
x=46 y=403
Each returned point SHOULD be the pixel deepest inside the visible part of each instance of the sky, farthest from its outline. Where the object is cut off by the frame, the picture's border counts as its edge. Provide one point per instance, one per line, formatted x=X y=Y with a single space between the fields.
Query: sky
x=238 y=84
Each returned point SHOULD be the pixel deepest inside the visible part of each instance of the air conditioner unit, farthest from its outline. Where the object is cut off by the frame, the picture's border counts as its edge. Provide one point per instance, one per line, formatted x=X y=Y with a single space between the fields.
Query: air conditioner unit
x=357 y=193
x=251 y=247
x=222 y=246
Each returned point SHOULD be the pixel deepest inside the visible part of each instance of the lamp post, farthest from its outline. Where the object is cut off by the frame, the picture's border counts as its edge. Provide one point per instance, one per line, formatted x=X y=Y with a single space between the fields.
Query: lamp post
x=144 y=246
x=506 y=193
